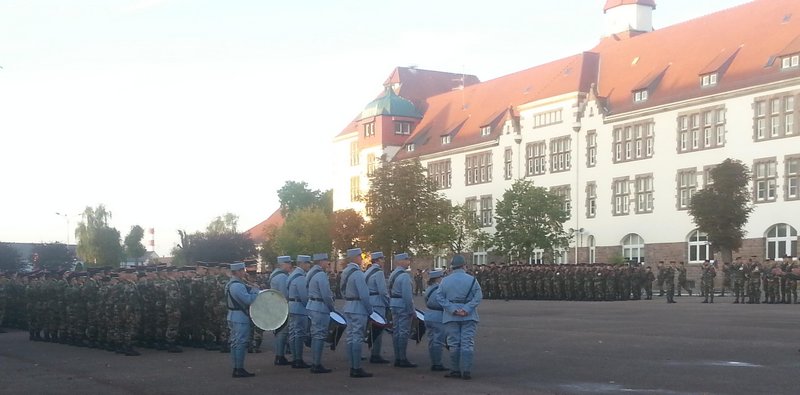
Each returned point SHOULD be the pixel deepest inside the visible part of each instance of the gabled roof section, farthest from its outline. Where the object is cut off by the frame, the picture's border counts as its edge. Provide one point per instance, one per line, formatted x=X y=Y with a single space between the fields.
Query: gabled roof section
x=616 y=3
x=651 y=80
x=390 y=104
x=261 y=232
x=760 y=30
x=491 y=103
x=720 y=62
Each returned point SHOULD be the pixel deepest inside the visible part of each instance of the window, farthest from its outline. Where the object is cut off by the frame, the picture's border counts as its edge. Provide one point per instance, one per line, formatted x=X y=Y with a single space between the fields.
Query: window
x=644 y=194
x=791 y=61
x=486 y=210
x=793 y=178
x=563 y=192
x=439 y=172
x=621 y=196
x=536 y=158
x=560 y=154
x=537 y=258
x=486 y=130
x=640 y=96
x=354 y=153
x=774 y=117
x=369 y=129
x=507 y=169
x=707 y=179
x=402 y=128
x=440 y=261
x=709 y=80
x=546 y=118
x=479 y=168
x=591 y=148
x=479 y=256
x=633 y=248
x=372 y=164
x=687 y=185
x=702 y=129
x=446 y=139
x=410 y=147
x=766 y=180
x=355 y=189
x=781 y=240
x=633 y=141
x=472 y=207
x=592 y=249
x=591 y=200
x=699 y=247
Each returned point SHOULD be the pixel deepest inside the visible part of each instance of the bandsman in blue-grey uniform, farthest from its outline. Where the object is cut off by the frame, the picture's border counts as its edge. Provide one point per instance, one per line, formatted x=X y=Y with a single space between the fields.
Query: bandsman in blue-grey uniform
x=357 y=308
x=239 y=297
x=279 y=281
x=298 y=318
x=402 y=305
x=460 y=294
x=379 y=297
x=319 y=307
x=433 y=321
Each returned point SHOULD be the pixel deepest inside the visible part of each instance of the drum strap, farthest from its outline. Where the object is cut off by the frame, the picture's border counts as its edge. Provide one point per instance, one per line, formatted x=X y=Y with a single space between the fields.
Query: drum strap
x=233 y=302
x=344 y=280
x=311 y=277
x=372 y=271
x=289 y=283
x=392 y=279
x=430 y=292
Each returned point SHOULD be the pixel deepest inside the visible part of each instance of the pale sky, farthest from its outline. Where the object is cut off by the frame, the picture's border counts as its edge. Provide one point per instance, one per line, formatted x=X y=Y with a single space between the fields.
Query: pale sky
x=171 y=112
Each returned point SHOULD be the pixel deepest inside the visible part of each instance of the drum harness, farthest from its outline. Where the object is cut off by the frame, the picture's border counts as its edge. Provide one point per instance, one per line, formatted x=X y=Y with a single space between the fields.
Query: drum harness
x=392 y=279
x=308 y=284
x=289 y=287
x=469 y=294
x=373 y=270
x=428 y=296
x=344 y=284
x=232 y=301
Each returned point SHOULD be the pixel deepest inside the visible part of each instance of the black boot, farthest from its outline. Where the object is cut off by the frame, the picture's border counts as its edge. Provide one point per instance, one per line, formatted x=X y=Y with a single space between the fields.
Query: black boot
x=320 y=369
x=241 y=373
x=378 y=360
x=281 y=361
x=173 y=348
x=466 y=376
x=404 y=363
x=438 y=368
x=453 y=375
x=359 y=373
x=300 y=364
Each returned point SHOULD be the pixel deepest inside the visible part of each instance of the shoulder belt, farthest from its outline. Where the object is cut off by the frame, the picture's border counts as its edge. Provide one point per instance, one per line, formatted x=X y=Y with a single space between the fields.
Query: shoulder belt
x=292 y=278
x=430 y=292
x=372 y=271
x=311 y=277
x=392 y=279
x=345 y=278
x=232 y=301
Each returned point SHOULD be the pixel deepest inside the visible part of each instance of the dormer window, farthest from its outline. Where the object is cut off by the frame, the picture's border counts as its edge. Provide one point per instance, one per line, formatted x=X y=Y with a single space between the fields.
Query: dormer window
x=410 y=147
x=486 y=130
x=790 y=61
x=402 y=128
x=709 y=80
x=369 y=129
x=446 y=139
x=640 y=96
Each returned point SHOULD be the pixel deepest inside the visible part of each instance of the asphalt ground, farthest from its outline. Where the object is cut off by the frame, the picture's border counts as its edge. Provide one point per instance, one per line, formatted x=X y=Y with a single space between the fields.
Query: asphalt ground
x=522 y=347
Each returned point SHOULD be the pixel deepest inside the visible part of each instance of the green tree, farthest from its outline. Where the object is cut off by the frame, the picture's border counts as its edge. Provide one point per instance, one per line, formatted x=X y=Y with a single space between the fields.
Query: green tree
x=134 y=249
x=53 y=256
x=404 y=209
x=529 y=218
x=223 y=224
x=305 y=232
x=461 y=230
x=220 y=243
x=9 y=258
x=296 y=195
x=98 y=243
x=267 y=251
x=723 y=208
x=180 y=254
x=347 y=228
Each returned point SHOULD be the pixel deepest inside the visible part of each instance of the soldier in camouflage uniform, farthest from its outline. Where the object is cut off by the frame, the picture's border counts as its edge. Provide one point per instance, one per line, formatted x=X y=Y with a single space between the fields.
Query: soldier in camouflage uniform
x=682 y=282
x=669 y=282
x=754 y=284
x=660 y=271
x=708 y=275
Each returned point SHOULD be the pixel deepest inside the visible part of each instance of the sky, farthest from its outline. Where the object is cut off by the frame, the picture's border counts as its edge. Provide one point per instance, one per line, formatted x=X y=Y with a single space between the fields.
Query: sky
x=173 y=112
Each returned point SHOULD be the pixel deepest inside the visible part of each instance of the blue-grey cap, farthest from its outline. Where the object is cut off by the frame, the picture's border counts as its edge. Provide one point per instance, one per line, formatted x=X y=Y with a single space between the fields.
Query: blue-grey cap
x=353 y=252
x=435 y=274
x=237 y=266
x=303 y=258
x=457 y=261
x=320 y=256
x=401 y=256
x=376 y=255
x=284 y=259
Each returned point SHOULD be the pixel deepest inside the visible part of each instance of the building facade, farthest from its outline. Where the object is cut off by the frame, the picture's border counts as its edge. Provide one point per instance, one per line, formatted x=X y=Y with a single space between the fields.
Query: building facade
x=626 y=132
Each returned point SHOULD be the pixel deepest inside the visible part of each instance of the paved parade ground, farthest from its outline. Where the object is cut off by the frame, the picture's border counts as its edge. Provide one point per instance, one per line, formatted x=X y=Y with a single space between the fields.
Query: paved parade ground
x=522 y=347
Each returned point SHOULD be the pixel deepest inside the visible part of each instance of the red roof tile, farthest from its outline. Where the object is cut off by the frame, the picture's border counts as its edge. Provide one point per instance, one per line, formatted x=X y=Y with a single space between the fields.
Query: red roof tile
x=759 y=30
x=260 y=232
x=616 y=3
x=490 y=103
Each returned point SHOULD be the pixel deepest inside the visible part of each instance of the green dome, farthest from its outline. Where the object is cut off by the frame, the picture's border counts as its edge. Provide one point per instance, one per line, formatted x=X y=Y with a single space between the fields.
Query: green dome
x=390 y=104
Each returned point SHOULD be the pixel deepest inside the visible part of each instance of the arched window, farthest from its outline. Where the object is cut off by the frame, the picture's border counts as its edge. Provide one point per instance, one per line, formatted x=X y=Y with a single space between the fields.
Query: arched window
x=781 y=240
x=592 y=249
x=633 y=248
x=699 y=249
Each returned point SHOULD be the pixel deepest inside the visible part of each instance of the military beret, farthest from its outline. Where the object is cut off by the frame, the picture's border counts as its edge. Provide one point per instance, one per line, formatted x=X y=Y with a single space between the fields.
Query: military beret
x=320 y=256
x=376 y=255
x=353 y=252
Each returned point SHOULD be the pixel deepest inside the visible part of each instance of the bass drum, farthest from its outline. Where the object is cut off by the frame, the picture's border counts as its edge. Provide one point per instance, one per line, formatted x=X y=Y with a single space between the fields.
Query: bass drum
x=417 y=326
x=335 y=329
x=270 y=310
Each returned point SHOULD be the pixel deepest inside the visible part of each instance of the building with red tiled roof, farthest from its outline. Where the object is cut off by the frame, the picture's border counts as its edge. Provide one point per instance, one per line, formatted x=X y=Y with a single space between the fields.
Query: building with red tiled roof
x=626 y=132
x=266 y=228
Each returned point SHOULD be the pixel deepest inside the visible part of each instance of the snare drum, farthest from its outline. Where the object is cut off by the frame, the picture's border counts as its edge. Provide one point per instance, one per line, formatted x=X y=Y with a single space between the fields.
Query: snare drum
x=417 y=326
x=377 y=320
x=335 y=329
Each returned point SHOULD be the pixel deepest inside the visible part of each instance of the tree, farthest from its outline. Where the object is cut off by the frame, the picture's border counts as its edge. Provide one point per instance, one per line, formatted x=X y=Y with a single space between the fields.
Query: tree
x=404 y=208
x=54 y=256
x=134 y=248
x=529 y=218
x=347 y=227
x=295 y=196
x=461 y=230
x=305 y=232
x=9 y=258
x=98 y=243
x=223 y=224
x=180 y=254
x=723 y=207
x=267 y=251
